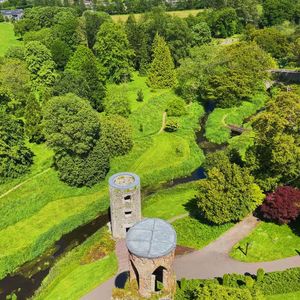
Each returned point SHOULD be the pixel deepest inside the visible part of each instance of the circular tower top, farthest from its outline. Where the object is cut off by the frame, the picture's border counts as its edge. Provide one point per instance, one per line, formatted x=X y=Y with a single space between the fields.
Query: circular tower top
x=151 y=238
x=124 y=180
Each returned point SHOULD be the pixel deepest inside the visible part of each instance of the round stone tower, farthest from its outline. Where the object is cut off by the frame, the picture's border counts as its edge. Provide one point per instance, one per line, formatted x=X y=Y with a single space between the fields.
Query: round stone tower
x=125 y=202
x=151 y=244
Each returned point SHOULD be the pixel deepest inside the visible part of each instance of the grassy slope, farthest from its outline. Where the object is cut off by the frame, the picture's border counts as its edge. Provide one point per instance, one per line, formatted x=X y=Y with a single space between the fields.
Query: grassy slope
x=181 y=14
x=216 y=130
x=268 y=242
x=71 y=279
x=7 y=37
x=169 y=203
x=196 y=233
x=45 y=208
x=288 y=296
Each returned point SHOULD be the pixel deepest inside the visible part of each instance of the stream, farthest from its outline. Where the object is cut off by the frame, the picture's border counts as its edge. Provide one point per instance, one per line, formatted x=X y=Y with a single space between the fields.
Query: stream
x=28 y=278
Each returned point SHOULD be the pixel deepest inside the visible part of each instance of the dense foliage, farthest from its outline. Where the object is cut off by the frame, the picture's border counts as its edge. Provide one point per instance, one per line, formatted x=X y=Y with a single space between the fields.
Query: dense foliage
x=229 y=192
x=283 y=205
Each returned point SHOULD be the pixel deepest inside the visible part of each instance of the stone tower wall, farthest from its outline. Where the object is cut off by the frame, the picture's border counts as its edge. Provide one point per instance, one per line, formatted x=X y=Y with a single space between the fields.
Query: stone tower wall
x=143 y=273
x=125 y=203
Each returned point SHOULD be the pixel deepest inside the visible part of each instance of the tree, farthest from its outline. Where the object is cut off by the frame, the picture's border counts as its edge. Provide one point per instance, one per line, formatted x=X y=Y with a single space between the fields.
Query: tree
x=116 y=134
x=70 y=125
x=86 y=65
x=229 y=192
x=247 y=10
x=117 y=103
x=275 y=156
x=274 y=42
x=176 y=107
x=15 y=157
x=113 y=52
x=276 y=12
x=201 y=34
x=162 y=70
x=83 y=170
x=283 y=205
x=224 y=75
x=40 y=65
x=93 y=21
x=33 y=120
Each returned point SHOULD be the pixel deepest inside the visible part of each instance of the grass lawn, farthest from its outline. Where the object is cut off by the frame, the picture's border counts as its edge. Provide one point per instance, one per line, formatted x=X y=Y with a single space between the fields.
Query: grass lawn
x=216 y=129
x=7 y=37
x=180 y=13
x=288 y=296
x=268 y=242
x=72 y=277
x=41 y=210
x=195 y=233
x=169 y=203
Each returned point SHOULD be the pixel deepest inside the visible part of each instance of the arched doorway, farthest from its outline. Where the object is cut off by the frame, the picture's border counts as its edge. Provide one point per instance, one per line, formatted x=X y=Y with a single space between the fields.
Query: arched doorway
x=158 y=279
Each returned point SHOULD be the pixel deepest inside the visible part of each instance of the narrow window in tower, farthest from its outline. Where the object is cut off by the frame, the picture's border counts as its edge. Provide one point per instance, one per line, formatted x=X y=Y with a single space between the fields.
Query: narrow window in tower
x=128 y=214
x=127 y=198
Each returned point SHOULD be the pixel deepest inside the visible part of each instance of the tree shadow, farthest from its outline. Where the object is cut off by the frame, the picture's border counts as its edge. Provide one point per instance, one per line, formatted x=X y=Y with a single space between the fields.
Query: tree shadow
x=121 y=279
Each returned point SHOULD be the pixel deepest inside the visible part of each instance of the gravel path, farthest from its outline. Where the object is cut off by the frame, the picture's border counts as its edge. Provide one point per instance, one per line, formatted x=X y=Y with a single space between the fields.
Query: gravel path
x=211 y=261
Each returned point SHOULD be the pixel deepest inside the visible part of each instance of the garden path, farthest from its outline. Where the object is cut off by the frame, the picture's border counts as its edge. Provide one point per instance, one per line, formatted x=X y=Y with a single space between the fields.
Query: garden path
x=211 y=261
x=164 y=118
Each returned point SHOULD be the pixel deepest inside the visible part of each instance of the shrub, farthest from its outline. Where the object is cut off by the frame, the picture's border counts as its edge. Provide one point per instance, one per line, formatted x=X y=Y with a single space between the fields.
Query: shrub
x=140 y=96
x=172 y=125
x=283 y=205
x=176 y=107
x=260 y=275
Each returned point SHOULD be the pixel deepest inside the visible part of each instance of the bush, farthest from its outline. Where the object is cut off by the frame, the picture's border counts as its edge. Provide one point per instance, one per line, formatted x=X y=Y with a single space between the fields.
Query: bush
x=116 y=133
x=260 y=275
x=283 y=205
x=176 y=107
x=172 y=125
x=140 y=96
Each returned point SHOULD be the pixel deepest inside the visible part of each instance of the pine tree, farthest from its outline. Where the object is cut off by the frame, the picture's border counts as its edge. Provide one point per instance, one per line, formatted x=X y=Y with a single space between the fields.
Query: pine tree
x=33 y=120
x=162 y=69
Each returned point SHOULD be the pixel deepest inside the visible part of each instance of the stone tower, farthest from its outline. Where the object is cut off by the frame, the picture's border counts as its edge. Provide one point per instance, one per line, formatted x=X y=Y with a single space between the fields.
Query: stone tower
x=125 y=202
x=151 y=244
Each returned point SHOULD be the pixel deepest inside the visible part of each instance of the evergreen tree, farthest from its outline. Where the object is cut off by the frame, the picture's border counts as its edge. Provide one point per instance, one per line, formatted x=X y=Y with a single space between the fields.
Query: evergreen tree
x=162 y=69
x=33 y=120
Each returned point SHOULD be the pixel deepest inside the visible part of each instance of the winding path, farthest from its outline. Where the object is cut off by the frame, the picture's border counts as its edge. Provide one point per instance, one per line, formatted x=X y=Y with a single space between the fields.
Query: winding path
x=211 y=261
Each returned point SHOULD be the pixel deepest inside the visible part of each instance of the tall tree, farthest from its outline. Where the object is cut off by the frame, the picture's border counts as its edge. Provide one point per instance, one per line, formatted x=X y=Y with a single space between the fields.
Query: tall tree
x=40 y=65
x=85 y=63
x=113 y=52
x=162 y=70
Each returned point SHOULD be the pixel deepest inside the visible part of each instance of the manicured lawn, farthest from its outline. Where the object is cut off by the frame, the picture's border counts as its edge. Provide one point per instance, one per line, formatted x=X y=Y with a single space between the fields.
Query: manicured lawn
x=181 y=14
x=169 y=203
x=7 y=37
x=71 y=277
x=216 y=130
x=288 y=296
x=196 y=233
x=268 y=242
x=41 y=210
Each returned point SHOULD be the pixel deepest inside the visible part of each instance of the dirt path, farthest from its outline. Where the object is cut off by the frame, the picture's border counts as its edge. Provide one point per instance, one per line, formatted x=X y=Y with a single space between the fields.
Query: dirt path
x=22 y=183
x=163 y=126
x=211 y=261
x=178 y=217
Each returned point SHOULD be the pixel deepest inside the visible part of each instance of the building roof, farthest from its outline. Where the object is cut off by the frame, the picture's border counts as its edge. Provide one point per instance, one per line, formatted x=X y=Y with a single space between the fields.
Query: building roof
x=151 y=238
x=124 y=180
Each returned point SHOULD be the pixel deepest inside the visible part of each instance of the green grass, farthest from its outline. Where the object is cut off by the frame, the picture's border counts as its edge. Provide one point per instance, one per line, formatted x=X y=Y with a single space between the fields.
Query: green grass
x=216 y=129
x=268 y=242
x=8 y=37
x=181 y=14
x=41 y=210
x=71 y=278
x=169 y=203
x=288 y=296
x=196 y=233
